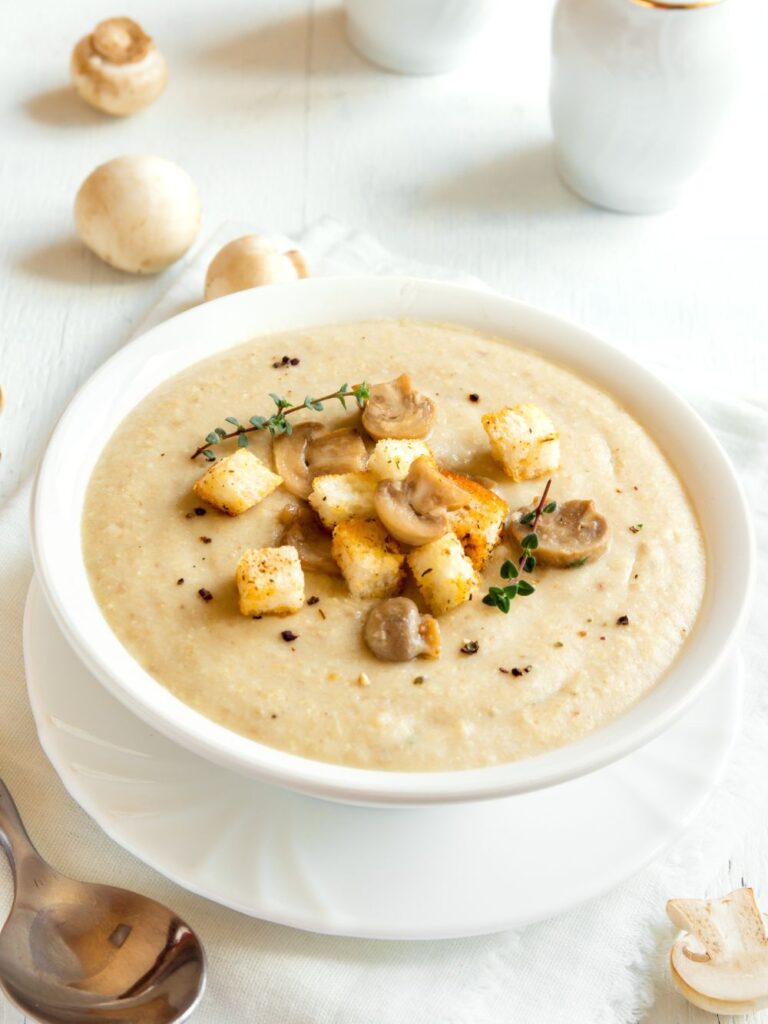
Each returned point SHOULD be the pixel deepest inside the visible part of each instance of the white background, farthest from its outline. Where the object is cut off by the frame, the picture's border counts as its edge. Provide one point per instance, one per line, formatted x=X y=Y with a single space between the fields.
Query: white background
x=279 y=122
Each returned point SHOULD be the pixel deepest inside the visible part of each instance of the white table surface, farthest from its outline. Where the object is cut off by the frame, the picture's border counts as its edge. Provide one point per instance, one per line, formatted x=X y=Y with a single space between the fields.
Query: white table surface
x=279 y=122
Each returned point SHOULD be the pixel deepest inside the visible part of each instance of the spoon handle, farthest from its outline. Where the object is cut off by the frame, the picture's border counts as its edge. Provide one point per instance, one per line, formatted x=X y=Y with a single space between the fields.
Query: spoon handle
x=13 y=836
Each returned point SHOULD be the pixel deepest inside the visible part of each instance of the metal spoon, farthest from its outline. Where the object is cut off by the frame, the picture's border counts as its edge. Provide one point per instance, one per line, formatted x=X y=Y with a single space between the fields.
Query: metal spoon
x=72 y=952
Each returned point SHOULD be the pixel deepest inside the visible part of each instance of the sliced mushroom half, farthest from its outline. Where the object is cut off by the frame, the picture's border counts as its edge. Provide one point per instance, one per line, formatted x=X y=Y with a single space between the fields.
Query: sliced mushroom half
x=336 y=451
x=573 y=534
x=720 y=961
x=396 y=409
x=304 y=531
x=290 y=452
x=312 y=450
x=415 y=510
x=395 y=630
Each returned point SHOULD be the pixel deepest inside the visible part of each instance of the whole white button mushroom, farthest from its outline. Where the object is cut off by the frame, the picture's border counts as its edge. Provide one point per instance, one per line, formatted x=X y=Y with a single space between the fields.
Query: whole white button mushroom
x=251 y=261
x=138 y=213
x=117 y=68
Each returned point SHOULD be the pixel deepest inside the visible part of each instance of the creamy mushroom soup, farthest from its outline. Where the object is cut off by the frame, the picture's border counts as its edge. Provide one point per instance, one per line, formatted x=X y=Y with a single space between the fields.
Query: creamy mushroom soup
x=583 y=639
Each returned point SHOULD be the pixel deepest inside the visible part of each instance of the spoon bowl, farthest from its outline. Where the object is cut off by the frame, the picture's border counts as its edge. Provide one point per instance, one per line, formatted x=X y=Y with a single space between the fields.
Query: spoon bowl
x=74 y=952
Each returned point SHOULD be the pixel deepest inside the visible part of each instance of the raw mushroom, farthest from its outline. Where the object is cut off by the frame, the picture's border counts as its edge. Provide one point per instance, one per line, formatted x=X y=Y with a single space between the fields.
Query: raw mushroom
x=249 y=262
x=396 y=409
x=415 y=510
x=720 y=961
x=117 y=68
x=396 y=631
x=336 y=451
x=571 y=535
x=138 y=213
x=290 y=451
x=305 y=532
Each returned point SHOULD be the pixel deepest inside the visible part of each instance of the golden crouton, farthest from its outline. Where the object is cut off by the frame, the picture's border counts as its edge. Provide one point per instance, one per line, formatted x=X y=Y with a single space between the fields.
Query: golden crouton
x=337 y=497
x=524 y=440
x=443 y=573
x=270 y=581
x=236 y=483
x=479 y=524
x=392 y=457
x=370 y=560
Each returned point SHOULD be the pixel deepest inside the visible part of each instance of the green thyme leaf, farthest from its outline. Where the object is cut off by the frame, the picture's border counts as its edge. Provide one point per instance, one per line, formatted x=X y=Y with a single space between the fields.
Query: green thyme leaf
x=529 y=542
x=529 y=564
x=508 y=570
x=277 y=423
x=550 y=507
x=242 y=441
x=577 y=563
x=208 y=455
x=524 y=588
x=527 y=518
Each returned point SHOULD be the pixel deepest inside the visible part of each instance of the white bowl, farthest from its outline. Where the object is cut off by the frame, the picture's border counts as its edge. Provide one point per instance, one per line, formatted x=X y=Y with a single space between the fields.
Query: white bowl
x=129 y=375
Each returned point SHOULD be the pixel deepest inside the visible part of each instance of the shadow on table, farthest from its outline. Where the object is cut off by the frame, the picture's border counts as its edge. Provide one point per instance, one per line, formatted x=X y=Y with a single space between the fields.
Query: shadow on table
x=62 y=108
x=313 y=42
x=524 y=179
x=67 y=260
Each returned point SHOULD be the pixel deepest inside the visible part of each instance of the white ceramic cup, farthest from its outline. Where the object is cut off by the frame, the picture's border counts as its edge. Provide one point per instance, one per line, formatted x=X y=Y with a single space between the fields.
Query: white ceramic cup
x=639 y=92
x=417 y=37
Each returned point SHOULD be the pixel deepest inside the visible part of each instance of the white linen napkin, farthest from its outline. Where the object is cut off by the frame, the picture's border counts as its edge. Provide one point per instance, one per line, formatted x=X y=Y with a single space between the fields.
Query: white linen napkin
x=597 y=964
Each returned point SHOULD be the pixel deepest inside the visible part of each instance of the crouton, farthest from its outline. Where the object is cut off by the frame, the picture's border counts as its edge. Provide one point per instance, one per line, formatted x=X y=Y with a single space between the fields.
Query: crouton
x=270 y=581
x=236 y=483
x=391 y=458
x=369 y=558
x=479 y=524
x=524 y=440
x=443 y=573
x=337 y=497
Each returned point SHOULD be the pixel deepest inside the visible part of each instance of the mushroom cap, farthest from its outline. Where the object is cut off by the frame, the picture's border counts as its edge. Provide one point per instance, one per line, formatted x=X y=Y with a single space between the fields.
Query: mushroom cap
x=311 y=450
x=415 y=510
x=305 y=532
x=117 y=68
x=336 y=451
x=138 y=213
x=395 y=409
x=249 y=262
x=720 y=962
x=575 y=532
x=396 y=631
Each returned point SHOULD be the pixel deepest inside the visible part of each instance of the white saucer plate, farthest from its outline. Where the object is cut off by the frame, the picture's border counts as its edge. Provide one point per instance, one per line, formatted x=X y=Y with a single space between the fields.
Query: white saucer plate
x=414 y=873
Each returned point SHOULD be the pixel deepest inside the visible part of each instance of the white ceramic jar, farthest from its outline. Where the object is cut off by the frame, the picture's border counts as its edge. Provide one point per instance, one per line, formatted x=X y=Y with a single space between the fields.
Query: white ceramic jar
x=639 y=91
x=417 y=37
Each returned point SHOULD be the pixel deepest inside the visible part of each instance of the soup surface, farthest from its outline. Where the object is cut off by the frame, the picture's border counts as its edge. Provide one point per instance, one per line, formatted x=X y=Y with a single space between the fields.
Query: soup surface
x=570 y=657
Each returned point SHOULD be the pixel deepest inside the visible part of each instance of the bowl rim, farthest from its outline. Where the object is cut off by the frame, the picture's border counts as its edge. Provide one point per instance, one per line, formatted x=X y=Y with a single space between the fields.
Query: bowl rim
x=722 y=613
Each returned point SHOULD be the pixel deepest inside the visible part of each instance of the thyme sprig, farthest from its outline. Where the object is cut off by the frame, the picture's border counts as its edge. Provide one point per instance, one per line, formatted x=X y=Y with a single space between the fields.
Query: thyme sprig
x=277 y=423
x=502 y=597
